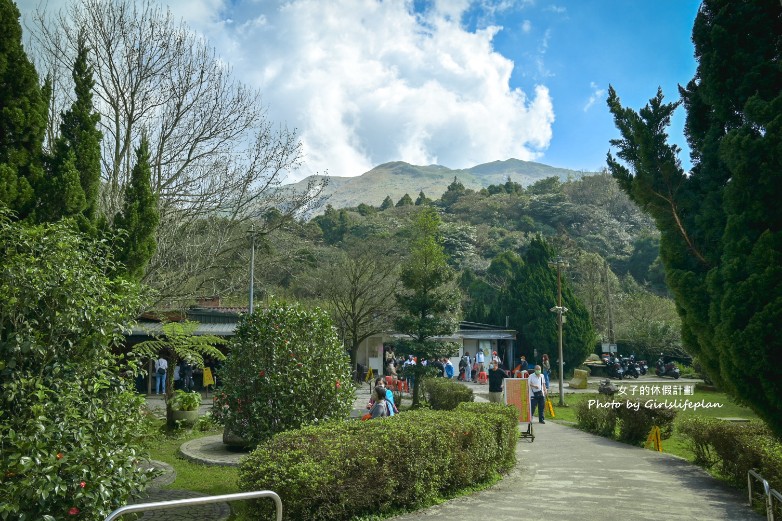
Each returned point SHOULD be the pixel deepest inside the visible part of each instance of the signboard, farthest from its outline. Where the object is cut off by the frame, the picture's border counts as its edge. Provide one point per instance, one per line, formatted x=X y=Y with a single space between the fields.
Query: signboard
x=517 y=395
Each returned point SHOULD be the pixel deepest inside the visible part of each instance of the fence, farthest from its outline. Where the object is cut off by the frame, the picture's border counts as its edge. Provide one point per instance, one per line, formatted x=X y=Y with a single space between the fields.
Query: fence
x=174 y=503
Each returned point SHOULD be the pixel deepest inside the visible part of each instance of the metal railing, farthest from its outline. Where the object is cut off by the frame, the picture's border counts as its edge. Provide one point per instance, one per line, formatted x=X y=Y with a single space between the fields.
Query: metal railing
x=174 y=503
x=769 y=493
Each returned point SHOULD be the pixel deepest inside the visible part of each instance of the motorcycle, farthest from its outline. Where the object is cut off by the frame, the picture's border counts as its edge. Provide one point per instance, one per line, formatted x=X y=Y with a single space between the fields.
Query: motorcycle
x=643 y=367
x=668 y=369
x=614 y=367
x=630 y=367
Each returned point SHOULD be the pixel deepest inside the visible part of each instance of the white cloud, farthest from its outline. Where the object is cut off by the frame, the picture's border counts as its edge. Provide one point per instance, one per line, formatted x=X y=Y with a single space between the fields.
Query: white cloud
x=526 y=26
x=597 y=94
x=368 y=81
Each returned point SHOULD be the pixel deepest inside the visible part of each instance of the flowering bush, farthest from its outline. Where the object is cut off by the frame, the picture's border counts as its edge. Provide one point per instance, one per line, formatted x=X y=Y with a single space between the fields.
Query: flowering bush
x=286 y=368
x=70 y=423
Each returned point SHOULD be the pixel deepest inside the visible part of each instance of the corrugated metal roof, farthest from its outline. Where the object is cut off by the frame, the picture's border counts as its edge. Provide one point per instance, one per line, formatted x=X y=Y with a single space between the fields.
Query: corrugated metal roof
x=145 y=328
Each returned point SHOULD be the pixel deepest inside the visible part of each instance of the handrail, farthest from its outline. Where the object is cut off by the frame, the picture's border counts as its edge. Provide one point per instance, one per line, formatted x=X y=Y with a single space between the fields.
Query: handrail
x=160 y=505
x=769 y=493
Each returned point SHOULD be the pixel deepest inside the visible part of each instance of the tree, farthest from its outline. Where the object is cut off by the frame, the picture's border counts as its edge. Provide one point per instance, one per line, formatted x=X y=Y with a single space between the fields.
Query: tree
x=360 y=286
x=75 y=168
x=71 y=426
x=387 y=203
x=406 y=200
x=22 y=118
x=179 y=342
x=721 y=223
x=138 y=218
x=428 y=302
x=213 y=153
x=287 y=369
x=422 y=199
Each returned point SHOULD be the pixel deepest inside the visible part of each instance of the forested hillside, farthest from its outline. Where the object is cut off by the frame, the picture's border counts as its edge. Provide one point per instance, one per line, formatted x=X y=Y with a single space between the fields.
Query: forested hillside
x=610 y=245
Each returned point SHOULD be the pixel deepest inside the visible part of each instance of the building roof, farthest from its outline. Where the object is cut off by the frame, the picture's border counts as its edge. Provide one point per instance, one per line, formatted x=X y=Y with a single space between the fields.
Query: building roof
x=149 y=328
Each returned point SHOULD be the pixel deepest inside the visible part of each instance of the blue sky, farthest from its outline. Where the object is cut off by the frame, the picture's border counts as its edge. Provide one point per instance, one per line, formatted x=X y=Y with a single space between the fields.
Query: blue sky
x=452 y=82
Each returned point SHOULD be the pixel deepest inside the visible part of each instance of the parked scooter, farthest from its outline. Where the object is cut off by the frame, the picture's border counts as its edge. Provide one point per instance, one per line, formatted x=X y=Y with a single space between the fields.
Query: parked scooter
x=630 y=368
x=643 y=367
x=668 y=369
x=614 y=367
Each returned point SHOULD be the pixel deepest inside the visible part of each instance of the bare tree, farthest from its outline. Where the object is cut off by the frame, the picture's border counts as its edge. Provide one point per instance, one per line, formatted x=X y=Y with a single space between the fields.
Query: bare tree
x=359 y=288
x=217 y=161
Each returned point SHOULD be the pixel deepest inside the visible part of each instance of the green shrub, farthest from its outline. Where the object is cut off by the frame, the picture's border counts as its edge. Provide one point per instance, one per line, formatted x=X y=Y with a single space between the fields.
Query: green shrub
x=636 y=421
x=70 y=421
x=594 y=419
x=286 y=368
x=733 y=448
x=342 y=469
x=445 y=395
x=185 y=401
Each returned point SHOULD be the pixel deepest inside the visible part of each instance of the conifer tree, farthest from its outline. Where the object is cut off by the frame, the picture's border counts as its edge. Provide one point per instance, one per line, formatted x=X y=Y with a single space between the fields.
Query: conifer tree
x=23 y=117
x=422 y=199
x=387 y=203
x=406 y=200
x=429 y=303
x=721 y=223
x=79 y=134
x=139 y=217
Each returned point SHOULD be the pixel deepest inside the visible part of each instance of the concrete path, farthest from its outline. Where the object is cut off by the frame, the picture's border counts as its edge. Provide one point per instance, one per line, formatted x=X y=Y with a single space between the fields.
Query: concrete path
x=571 y=475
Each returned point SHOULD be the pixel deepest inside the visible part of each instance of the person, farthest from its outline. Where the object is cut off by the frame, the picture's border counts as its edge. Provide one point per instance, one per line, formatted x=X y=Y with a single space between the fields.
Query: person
x=496 y=376
x=524 y=364
x=546 y=366
x=468 y=367
x=186 y=372
x=389 y=396
x=448 y=368
x=537 y=387
x=161 y=368
x=479 y=359
x=495 y=357
x=437 y=364
x=462 y=369
x=379 y=408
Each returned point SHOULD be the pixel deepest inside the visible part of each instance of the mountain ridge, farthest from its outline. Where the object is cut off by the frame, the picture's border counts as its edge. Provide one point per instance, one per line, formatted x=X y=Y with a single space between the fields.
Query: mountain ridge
x=397 y=178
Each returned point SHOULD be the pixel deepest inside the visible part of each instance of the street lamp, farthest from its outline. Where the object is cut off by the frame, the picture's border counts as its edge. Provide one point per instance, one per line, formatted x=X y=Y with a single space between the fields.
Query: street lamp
x=559 y=309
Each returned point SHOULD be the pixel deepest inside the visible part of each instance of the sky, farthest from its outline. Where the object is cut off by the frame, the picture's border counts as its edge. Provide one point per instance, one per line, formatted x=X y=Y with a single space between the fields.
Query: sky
x=450 y=82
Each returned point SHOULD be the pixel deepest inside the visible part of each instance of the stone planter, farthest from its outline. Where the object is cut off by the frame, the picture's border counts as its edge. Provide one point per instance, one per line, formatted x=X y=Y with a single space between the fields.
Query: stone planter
x=235 y=442
x=186 y=417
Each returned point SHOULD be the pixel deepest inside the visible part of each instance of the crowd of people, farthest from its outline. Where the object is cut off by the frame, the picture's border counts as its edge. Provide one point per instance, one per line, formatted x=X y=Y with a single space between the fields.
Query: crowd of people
x=469 y=369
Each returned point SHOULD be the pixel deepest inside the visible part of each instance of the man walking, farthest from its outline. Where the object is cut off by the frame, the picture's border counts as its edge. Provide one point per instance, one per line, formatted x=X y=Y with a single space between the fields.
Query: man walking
x=496 y=376
x=537 y=387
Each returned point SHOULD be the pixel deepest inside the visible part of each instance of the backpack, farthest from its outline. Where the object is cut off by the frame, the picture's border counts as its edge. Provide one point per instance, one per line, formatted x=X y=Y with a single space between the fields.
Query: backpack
x=160 y=370
x=463 y=363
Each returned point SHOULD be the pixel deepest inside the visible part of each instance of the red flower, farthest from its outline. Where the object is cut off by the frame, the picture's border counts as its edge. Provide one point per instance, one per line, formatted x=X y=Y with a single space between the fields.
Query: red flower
x=262 y=374
x=59 y=455
x=339 y=385
x=73 y=511
x=83 y=484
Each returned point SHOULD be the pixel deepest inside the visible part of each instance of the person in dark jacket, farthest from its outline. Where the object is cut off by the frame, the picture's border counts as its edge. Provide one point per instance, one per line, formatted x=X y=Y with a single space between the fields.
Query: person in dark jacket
x=496 y=376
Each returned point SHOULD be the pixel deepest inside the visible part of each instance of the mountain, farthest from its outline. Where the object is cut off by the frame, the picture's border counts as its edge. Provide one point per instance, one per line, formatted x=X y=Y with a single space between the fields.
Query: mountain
x=398 y=178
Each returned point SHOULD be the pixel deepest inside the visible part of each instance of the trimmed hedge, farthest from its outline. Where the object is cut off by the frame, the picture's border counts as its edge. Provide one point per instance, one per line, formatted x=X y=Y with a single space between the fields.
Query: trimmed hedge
x=342 y=469
x=445 y=395
x=631 y=417
x=734 y=448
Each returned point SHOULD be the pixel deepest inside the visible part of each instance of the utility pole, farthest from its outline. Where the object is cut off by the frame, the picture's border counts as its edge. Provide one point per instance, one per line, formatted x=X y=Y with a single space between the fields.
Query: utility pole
x=560 y=310
x=610 y=310
x=252 y=266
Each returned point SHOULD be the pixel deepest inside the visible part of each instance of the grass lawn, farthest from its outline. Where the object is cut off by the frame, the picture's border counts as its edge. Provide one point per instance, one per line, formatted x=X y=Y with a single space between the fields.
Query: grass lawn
x=675 y=444
x=207 y=480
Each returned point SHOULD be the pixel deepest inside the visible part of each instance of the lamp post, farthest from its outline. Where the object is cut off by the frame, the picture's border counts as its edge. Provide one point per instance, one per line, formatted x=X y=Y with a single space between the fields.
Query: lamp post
x=559 y=309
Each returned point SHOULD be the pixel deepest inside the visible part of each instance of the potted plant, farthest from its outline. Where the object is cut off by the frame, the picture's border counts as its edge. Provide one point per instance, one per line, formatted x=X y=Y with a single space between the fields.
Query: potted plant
x=184 y=406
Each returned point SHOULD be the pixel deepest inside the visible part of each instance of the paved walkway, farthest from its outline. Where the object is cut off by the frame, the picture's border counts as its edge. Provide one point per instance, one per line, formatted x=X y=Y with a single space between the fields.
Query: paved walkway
x=571 y=475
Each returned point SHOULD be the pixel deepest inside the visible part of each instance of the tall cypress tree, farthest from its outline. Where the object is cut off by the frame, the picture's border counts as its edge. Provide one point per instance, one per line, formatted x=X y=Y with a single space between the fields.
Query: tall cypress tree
x=139 y=217
x=430 y=304
x=23 y=117
x=721 y=223
x=71 y=189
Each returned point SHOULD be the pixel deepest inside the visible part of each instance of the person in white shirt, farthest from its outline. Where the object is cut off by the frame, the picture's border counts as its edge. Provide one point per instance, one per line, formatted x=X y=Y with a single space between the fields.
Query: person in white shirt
x=479 y=359
x=537 y=387
x=161 y=368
